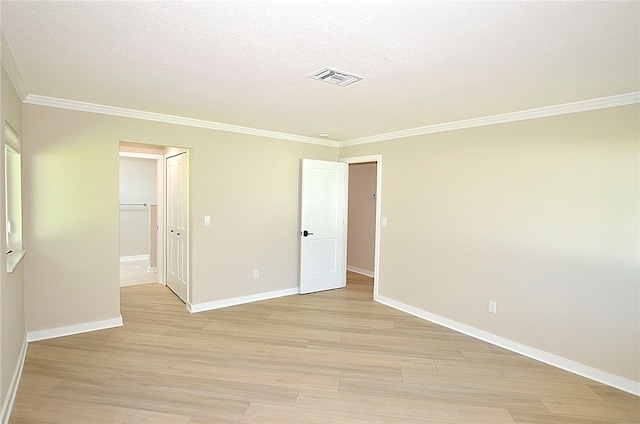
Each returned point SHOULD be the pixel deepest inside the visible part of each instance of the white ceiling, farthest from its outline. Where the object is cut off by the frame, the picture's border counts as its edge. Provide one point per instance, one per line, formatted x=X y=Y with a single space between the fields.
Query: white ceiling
x=246 y=62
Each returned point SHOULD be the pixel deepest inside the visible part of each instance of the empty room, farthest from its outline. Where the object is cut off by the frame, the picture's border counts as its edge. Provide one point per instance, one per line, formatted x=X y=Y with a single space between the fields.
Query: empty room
x=484 y=269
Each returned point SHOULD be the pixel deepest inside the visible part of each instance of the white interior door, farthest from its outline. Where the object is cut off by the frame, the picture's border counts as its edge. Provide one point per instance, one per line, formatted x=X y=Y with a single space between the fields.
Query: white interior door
x=177 y=216
x=323 y=233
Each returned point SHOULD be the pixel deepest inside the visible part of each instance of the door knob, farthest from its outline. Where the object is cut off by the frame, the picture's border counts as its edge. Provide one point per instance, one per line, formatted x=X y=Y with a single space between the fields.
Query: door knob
x=306 y=233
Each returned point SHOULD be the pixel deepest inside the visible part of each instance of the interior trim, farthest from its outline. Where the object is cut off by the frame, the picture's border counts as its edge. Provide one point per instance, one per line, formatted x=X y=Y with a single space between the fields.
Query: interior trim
x=169 y=119
x=10 y=398
x=14 y=259
x=34 y=336
x=562 y=109
x=224 y=303
x=9 y=64
x=543 y=112
x=361 y=271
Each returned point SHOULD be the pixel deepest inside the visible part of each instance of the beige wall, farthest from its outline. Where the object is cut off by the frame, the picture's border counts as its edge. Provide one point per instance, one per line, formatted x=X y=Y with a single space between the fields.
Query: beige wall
x=540 y=216
x=250 y=188
x=362 y=218
x=247 y=184
x=12 y=326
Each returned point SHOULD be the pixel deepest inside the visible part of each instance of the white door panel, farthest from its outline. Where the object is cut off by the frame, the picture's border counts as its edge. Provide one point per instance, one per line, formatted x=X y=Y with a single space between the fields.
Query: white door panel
x=323 y=225
x=177 y=216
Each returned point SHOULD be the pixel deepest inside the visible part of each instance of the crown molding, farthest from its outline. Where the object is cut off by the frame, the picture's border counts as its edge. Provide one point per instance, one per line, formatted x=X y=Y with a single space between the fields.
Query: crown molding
x=562 y=109
x=9 y=64
x=543 y=112
x=169 y=119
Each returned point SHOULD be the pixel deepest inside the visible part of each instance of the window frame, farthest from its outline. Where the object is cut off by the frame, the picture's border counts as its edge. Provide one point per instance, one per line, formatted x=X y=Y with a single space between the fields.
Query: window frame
x=12 y=198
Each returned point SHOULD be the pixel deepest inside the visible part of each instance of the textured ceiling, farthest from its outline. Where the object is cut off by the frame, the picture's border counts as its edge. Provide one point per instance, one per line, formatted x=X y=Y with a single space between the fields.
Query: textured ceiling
x=246 y=63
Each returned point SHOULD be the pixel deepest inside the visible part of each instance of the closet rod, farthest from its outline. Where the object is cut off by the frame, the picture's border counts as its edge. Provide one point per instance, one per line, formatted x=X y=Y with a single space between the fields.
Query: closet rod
x=134 y=204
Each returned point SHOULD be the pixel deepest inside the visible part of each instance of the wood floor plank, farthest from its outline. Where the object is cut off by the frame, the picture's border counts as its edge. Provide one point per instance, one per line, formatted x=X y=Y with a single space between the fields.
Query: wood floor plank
x=35 y=384
x=337 y=357
x=199 y=341
x=244 y=391
x=387 y=347
x=156 y=401
x=268 y=332
x=608 y=393
x=44 y=410
x=497 y=370
x=336 y=369
x=588 y=408
x=433 y=392
x=332 y=318
x=487 y=381
x=402 y=408
x=153 y=351
x=331 y=357
x=274 y=377
x=94 y=358
x=39 y=370
x=274 y=414
x=549 y=418
x=406 y=340
x=322 y=321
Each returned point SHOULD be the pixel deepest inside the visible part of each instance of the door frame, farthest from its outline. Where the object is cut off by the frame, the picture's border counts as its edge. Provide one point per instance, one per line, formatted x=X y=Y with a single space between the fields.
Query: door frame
x=376 y=260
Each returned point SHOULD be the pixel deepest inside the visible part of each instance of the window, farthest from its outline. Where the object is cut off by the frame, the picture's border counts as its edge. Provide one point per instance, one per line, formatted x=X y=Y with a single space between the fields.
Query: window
x=13 y=198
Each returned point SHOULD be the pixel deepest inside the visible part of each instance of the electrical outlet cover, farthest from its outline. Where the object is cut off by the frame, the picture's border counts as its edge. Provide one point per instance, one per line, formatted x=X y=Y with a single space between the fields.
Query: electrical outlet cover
x=492 y=307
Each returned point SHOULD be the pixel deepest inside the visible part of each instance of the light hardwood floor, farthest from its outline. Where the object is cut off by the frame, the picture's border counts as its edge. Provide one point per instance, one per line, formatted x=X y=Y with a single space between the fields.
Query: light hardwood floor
x=332 y=357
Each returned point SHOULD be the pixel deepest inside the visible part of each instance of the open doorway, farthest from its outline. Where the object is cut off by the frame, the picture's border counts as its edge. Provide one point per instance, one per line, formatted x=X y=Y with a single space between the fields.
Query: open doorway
x=139 y=199
x=363 y=239
x=362 y=225
x=361 y=234
x=161 y=200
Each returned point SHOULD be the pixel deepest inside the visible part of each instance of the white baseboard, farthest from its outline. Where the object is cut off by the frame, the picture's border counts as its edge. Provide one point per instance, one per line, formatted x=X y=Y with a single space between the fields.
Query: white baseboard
x=35 y=336
x=360 y=271
x=600 y=376
x=134 y=258
x=7 y=405
x=208 y=306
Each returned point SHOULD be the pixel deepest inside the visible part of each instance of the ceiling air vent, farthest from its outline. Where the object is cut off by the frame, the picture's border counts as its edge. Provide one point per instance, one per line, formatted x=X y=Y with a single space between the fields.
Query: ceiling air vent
x=335 y=77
